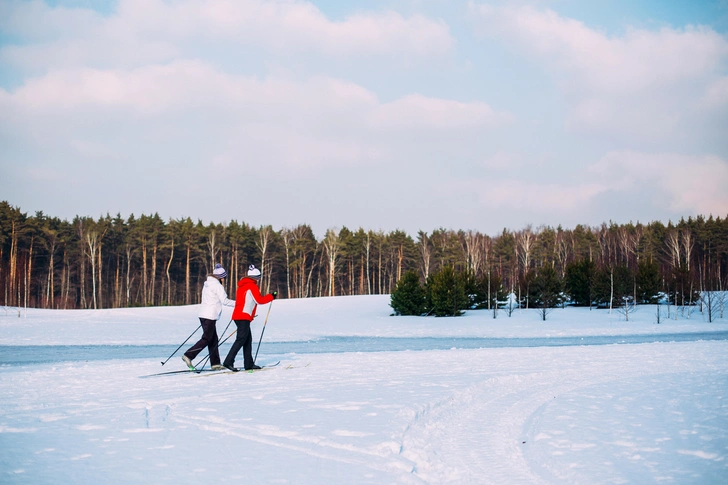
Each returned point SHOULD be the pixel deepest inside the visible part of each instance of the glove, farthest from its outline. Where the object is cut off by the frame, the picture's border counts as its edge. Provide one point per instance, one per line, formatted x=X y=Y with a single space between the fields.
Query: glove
x=275 y=295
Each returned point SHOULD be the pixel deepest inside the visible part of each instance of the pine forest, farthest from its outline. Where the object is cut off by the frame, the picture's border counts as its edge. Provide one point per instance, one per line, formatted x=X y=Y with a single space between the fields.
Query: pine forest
x=113 y=262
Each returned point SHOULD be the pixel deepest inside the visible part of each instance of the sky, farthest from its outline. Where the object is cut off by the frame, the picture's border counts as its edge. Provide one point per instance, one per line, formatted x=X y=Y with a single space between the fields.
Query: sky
x=412 y=114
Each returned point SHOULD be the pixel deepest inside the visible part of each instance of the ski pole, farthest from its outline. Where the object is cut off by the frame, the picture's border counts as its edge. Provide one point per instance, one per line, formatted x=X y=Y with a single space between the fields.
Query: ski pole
x=198 y=327
x=223 y=332
x=262 y=332
x=218 y=346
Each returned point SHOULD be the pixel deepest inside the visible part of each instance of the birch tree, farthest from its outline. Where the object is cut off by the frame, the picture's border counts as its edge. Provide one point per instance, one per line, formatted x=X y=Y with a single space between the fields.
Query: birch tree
x=264 y=237
x=331 y=244
x=288 y=238
x=425 y=247
x=93 y=242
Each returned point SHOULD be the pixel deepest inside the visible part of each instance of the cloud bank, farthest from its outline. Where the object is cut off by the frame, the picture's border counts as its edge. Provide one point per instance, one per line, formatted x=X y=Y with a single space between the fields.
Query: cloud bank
x=379 y=118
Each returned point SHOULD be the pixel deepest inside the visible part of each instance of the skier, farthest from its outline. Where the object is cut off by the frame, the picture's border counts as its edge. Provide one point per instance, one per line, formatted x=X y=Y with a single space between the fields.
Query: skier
x=247 y=298
x=213 y=299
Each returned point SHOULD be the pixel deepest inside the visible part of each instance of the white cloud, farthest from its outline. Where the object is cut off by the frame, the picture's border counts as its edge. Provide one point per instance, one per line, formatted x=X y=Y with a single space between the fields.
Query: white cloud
x=688 y=183
x=503 y=161
x=679 y=184
x=716 y=96
x=145 y=31
x=420 y=112
x=182 y=85
x=538 y=198
x=319 y=122
x=642 y=83
x=636 y=61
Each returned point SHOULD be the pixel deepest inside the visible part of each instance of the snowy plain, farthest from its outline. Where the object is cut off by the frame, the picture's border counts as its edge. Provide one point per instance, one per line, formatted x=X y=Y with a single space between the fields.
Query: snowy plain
x=650 y=412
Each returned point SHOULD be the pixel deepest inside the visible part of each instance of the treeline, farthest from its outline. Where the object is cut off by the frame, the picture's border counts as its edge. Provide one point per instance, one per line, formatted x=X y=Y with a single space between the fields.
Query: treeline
x=113 y=262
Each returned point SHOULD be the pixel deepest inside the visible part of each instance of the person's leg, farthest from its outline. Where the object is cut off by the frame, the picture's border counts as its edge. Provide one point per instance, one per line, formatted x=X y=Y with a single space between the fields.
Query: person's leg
x=239 y=341
x=248 y=348
x=208 y=330
x=213 y=344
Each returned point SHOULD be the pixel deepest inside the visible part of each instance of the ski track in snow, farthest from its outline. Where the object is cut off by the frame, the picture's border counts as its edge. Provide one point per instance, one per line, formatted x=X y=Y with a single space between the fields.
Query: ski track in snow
x=650 y=413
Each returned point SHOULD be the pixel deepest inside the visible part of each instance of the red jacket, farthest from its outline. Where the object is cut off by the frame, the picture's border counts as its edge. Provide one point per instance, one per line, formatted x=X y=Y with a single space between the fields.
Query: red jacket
x=248 y=298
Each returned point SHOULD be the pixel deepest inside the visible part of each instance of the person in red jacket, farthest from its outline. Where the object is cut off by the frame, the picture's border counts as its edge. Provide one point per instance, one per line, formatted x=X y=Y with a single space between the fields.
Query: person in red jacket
x=247 y=299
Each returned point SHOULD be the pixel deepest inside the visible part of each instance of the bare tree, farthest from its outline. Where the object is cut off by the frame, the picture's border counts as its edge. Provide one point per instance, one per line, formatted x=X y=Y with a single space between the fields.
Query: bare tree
x=672 y=241
x=524 y=245
x=92 y=240
x=51 y=237
x=474 y=250
x=212 y=248
x=627 y=307
x=368 y=246
x=264 y=236
x=332 y=244
x=81 y=232
x=288 y=238
x=687 y=243
x=169 y=265
x=128 y=249
x=425 y=247
x=713 y=302
x=525 y=240
x=561 y=251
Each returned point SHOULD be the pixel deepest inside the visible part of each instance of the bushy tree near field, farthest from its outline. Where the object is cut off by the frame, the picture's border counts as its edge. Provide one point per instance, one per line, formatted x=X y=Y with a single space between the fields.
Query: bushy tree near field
x=579 y=282
x=648 y=281
x=408 y=297
x=612 y=284
x=546 y=291
x=488 y=292
x=447 y=293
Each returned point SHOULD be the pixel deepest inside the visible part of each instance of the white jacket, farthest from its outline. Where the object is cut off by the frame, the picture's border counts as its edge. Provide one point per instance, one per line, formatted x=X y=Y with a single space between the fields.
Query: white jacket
x=213 y=298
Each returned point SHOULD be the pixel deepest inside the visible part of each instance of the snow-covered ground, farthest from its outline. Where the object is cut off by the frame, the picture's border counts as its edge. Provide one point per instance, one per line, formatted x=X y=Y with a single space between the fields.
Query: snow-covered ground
x=644 y=413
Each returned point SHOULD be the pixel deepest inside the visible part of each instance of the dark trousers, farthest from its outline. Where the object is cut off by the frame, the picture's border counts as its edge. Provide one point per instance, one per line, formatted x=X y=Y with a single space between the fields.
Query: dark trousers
x=243 y=340
x=209 y=340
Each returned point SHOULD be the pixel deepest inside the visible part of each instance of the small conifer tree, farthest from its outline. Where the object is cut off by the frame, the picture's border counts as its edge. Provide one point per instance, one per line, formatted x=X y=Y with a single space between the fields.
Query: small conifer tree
x=408 y=297
x=546 y=290
x=579 y=282
x=648 y=281
x=488 y=291
x=448 y=292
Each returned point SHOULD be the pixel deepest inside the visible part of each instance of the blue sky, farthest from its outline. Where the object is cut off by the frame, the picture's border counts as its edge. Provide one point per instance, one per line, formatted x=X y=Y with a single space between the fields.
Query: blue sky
x=410 y=115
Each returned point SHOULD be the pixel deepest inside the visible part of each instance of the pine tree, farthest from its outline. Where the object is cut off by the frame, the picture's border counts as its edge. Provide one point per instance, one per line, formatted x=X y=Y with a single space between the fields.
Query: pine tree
x=488 y=291
x=579 y=282
x=648 y=281
x=447 y=293
x=545 y=291
x=408 y=297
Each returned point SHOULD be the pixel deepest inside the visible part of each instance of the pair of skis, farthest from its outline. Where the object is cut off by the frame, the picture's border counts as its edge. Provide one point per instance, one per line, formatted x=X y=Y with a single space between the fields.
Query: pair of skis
x=208 y=371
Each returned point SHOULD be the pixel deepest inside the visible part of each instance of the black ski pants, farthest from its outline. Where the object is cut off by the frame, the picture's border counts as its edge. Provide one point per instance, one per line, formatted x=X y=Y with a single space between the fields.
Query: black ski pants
x=243 y=340
x=209 y=339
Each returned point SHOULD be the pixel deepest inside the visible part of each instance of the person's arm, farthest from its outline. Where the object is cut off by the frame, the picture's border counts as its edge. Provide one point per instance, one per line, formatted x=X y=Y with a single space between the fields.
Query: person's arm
x=224 y=298
x=260 y=299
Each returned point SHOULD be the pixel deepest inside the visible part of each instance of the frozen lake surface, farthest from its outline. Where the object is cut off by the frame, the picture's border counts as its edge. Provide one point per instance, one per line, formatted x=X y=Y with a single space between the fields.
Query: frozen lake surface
x=44 y=354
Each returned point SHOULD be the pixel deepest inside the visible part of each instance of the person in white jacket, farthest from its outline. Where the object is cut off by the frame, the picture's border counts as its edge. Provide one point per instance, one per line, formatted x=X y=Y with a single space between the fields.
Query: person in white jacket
x=213 y=299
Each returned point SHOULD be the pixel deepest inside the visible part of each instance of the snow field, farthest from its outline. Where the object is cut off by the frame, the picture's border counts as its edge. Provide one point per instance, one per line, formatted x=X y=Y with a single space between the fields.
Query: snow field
x=311 y=318
x=648 y=413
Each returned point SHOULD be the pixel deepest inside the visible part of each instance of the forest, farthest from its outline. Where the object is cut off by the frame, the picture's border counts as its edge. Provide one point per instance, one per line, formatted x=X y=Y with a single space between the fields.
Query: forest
x=114 y=262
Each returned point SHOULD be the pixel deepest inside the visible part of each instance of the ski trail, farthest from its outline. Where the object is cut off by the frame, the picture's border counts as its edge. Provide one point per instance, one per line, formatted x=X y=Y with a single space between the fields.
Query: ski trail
x=379 y=458
x=483 y=433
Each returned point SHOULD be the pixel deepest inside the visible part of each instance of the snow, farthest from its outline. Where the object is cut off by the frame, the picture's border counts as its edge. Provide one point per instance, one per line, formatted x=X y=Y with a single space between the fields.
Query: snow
x=652 y=412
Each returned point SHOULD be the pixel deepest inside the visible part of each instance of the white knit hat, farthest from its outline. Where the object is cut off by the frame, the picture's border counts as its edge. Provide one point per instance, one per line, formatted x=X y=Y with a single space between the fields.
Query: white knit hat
x=253 y=272
x=219 y=272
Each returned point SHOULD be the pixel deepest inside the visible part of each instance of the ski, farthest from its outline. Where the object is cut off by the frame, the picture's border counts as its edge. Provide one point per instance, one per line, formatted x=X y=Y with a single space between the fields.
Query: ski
x=221 y=371
x=265 y=367
x=186 y=371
